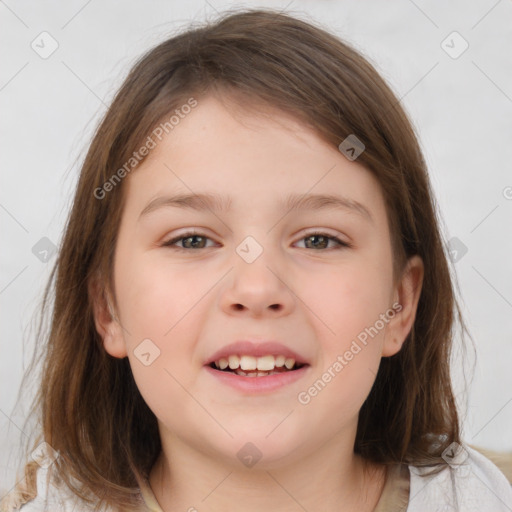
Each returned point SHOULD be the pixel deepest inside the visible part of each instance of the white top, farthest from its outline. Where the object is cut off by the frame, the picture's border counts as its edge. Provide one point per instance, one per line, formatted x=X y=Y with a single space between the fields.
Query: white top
x=475 y=484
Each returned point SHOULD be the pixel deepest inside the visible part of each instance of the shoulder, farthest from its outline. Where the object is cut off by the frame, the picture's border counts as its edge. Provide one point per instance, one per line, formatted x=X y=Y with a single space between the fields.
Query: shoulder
x=50 y=497
x=469 y=482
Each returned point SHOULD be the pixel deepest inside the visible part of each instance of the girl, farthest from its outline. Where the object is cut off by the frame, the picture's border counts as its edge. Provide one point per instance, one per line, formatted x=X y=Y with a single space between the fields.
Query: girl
x=253 y=307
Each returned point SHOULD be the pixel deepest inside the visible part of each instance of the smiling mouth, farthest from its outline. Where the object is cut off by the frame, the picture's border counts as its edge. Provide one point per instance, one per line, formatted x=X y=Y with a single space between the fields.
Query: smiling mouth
x=247 y=366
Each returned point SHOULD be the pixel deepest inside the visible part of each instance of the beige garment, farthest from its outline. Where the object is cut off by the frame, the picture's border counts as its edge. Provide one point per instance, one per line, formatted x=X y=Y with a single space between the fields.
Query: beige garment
x=502 y=459
x=394 y=497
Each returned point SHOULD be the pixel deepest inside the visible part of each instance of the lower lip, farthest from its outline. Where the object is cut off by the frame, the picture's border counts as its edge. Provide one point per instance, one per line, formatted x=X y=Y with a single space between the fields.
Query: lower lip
x=258 y=384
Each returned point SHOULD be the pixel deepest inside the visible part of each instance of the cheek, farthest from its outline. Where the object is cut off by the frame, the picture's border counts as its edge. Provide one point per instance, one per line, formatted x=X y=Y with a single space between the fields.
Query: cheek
x=336 y=396
x=346 y=299
x=164 y=303
x=350 y=306
x=155 y=297
x=348 y=359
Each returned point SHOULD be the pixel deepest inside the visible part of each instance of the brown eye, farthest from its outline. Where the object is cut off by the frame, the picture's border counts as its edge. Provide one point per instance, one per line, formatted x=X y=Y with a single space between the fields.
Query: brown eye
x=189 y=241
x=317 y=241
x=321 y=241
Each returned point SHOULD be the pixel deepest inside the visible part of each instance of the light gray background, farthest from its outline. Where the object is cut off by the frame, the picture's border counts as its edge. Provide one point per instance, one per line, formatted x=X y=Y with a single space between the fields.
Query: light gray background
x=461 y=108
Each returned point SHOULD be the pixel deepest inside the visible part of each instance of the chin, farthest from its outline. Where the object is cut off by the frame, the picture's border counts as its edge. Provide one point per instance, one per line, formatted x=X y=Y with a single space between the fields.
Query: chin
x=255 y=450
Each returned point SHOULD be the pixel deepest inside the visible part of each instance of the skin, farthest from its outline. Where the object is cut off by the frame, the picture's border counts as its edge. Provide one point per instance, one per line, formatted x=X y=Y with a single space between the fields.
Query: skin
x=206 y=298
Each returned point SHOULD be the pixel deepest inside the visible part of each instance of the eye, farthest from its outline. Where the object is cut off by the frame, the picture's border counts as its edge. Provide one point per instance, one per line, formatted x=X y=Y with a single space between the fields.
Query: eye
x=192 y=240
x=321 y=241
x=195 y=240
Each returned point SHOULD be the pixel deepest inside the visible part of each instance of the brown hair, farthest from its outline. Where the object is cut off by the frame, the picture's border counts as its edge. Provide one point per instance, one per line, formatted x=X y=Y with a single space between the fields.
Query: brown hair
x=90 y=408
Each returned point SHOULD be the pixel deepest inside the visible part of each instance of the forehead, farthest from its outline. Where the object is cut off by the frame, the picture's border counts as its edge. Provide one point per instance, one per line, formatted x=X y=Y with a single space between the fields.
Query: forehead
x=252 y=156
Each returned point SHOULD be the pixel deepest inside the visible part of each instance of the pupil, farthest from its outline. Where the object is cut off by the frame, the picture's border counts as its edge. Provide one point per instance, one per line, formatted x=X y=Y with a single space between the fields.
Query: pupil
x=194 y=245
x=315 y=244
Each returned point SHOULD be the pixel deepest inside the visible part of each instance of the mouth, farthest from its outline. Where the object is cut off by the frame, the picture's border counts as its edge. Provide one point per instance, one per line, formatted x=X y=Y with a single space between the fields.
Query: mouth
x=250 y=366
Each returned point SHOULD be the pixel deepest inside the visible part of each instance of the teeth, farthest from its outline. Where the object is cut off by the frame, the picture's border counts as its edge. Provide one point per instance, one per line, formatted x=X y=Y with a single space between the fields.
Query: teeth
x=262 y=364
x=266 y=363
x=248 y=363
x=254 y=373
x=280 y=361
x=289 y=363
x=234 y=362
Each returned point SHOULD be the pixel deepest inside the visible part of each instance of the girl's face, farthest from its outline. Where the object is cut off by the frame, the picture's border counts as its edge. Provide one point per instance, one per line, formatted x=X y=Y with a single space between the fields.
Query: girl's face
x=257 y=270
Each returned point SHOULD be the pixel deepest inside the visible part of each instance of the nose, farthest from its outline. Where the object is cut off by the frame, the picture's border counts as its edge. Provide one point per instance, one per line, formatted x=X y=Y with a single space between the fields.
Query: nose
x=258 y=288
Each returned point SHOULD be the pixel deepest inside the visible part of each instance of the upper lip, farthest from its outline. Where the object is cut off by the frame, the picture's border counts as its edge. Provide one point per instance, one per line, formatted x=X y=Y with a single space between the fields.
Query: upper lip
x=255 y=349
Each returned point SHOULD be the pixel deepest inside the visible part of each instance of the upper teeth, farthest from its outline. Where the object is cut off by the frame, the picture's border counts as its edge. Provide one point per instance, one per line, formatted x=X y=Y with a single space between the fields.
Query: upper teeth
x=265 y=363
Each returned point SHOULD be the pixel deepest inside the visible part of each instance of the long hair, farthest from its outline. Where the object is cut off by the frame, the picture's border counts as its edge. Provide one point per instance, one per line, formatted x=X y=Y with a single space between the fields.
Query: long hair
x=89 y=407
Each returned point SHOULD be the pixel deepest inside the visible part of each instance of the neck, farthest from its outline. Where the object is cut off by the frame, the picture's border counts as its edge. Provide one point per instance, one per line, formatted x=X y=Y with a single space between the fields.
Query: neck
x=327 y=480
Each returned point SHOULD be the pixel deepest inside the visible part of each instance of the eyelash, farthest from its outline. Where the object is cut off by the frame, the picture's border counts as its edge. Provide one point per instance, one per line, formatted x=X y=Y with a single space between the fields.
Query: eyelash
x=170 y=243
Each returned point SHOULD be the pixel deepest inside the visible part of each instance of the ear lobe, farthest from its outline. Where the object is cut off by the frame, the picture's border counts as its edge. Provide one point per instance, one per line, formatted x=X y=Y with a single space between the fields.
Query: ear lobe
x=407 y=295
x=105 y=320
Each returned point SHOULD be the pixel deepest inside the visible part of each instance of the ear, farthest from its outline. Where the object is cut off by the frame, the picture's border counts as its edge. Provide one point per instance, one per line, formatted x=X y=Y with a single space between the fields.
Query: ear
x=406 y=295
x=105 y=319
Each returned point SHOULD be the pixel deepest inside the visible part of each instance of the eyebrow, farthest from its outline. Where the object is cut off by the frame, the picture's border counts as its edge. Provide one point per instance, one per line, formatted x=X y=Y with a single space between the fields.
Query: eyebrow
x=293 y=202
